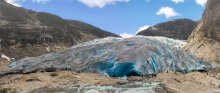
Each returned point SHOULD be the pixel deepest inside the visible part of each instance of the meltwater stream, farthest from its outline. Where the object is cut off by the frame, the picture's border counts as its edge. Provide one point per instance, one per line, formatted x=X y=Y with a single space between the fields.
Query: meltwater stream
x=136 y=87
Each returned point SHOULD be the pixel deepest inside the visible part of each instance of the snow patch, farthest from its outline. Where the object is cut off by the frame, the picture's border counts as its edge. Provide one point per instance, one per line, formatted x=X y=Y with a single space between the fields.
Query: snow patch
x=3 y=56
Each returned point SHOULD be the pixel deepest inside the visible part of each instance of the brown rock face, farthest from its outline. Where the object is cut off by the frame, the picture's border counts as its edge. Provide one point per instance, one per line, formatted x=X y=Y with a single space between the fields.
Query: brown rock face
x=194 y=82
x=4 y=65
x=28 y=33
x=204 y=42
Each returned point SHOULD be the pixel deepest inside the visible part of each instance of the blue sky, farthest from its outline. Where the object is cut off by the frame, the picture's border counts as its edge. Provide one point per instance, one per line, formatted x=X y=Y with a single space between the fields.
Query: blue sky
x=118 y=16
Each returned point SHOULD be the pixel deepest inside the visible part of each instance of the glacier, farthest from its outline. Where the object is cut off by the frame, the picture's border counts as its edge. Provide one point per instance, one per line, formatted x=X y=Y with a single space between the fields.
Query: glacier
x=117 y=57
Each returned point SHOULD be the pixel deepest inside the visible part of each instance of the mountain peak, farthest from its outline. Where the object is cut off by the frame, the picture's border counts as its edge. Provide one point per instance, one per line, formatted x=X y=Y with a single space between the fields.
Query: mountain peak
x=177 y=29
x=21 y=30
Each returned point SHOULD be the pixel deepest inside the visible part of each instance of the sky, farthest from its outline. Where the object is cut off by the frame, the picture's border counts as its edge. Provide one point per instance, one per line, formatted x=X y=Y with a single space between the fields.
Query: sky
x=122 y=17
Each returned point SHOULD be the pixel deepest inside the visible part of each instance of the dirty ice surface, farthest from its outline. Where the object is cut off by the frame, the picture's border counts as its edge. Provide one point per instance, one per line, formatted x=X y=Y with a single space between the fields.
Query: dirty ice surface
x=117 y=57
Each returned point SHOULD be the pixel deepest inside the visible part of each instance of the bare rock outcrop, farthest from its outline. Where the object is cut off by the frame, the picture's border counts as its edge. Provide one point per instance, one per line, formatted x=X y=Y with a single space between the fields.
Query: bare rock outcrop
x=195 y=82
x=204 y=42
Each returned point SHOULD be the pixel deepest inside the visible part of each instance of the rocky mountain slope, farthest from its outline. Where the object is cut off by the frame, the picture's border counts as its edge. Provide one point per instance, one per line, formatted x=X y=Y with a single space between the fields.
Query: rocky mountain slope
x=29 y=33
x=177 y=29
x=204 y=42
x=116 y=57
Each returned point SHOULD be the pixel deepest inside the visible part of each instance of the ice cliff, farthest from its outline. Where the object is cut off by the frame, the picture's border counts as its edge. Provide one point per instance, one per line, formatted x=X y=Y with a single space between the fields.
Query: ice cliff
x=116 y=57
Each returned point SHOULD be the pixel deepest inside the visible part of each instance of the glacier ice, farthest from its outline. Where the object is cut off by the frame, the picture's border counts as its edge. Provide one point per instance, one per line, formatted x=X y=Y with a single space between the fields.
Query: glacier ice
x=116 y=57
x=168 y=41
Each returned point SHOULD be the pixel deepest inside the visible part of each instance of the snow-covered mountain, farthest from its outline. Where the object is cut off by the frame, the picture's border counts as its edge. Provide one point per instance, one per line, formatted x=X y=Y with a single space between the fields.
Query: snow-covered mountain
x=116 y=57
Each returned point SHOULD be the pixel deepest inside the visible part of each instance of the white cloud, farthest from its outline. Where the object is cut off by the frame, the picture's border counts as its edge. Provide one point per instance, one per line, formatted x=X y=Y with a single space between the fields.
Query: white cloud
x=167 y=11
x=40 y=1
x=100 y=3
x=142 y=28
x=201 y=2
x=178 y=1
x=126 y=35
x=15 y=2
